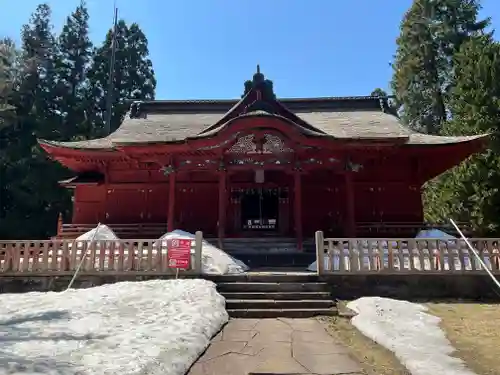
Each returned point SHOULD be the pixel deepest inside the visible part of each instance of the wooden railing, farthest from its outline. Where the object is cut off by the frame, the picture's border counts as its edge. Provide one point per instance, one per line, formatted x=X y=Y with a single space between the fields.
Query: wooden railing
x=126 y=231
x=405 y=255
x=398 y=229
x=62 y=257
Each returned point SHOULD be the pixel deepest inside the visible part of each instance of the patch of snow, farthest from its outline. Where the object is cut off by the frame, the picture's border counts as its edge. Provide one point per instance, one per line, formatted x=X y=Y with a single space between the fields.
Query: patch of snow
x=435 y=234
x=410 y=333
x=129 y=328
x=314 y=265
x=214 y=260
x=100 y=233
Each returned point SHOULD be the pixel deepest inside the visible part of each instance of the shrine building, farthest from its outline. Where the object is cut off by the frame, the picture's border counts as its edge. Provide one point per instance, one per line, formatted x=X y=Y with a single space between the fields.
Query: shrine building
x=258 y=166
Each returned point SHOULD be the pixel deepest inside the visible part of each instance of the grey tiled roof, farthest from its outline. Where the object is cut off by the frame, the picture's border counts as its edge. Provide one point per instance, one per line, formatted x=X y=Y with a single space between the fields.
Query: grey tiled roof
x=356 y=124
x=335 y=117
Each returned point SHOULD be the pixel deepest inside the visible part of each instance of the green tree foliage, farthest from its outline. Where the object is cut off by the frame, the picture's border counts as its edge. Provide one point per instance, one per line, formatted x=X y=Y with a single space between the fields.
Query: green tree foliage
x=74 y=59
x=31 y=197
x=134 y=75
x=8 y=77
x=378 y=92
x=55 y=87
x=471 y=191
x=37 y=88
x=431 y=32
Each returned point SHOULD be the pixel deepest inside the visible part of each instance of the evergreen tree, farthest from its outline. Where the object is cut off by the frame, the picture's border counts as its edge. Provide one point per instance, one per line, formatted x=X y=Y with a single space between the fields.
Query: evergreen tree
x=37 y=90
x=7 y=82
x=470 y=192
x=133 y=74
x=431 y=32
x=31 y=197
x=74 y=58
x=8 y=76
x=378 y=92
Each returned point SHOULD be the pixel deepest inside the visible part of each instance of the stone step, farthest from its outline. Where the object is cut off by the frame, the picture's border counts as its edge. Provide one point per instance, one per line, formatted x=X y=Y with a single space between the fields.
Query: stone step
x=265 y=277
x=259 y=259
x=259 y=239
x=233 y=304
x=287 y=296
x=271 y=287
x=281 y=313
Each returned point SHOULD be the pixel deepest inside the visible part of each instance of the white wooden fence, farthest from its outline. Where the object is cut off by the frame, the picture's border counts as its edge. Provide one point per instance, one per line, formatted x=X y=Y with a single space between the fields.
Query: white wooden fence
x=404 y=255
x=62 y=257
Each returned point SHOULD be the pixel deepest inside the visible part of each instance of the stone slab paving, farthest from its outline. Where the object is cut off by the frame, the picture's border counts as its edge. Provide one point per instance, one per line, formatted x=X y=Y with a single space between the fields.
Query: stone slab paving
x=275 y=346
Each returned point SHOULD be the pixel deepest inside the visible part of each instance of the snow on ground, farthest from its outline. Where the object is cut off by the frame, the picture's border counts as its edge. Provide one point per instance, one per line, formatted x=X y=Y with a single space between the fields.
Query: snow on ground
x=214 y=260
x=410 y=333
x=152 y=327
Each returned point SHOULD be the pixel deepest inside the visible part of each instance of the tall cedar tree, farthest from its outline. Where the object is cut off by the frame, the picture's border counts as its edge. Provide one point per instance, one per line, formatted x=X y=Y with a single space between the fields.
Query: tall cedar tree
x=8 y=75
x=8 y=57
x=471 y=191
x=31 y=197
x=431 y=32
x=74 y=58
x=378 y=92
x=133 y=74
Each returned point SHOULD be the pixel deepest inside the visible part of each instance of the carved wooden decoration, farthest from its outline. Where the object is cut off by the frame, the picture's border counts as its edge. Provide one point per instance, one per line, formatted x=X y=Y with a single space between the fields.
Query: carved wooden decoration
x=268 y=144
x=244 y=145
x=274 y=144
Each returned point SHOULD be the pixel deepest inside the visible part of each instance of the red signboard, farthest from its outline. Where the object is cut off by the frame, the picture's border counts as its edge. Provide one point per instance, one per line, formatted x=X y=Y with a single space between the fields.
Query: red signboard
x=179 y=253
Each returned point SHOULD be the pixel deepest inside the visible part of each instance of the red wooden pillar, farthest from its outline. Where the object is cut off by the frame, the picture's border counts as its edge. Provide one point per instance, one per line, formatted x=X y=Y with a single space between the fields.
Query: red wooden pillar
x=350 y=225
x=222 y=206
x=297 y=205
x=171 y=201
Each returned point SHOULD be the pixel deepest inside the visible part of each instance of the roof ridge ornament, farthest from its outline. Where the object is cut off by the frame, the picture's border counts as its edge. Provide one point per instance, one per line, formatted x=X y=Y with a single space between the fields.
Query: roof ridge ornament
x=382 y=102
x=136 y=111
x=261 y=84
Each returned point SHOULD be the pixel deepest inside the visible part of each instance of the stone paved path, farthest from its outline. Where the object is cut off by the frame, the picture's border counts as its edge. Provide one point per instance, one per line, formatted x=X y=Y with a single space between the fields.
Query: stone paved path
x=275 y=346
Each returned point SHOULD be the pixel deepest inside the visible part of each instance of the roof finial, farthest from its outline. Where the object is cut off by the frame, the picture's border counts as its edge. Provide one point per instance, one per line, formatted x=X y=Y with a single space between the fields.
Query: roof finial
x=258 y=68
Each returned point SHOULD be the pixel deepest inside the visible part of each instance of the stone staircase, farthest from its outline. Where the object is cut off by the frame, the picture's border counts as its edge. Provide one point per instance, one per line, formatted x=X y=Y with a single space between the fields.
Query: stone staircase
x=269 y=252
x=268 y=295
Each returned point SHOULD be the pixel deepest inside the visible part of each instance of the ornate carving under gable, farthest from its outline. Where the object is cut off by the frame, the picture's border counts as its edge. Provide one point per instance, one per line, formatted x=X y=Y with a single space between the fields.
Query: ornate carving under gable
x=274 y=144
x=266 y=144
x=244 y=145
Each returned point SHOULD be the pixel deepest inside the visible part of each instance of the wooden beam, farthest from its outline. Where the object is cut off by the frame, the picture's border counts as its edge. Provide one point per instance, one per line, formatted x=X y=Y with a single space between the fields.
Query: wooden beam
x=350 y=225
x=222 y=206
x=297 y=205
x=171 y=202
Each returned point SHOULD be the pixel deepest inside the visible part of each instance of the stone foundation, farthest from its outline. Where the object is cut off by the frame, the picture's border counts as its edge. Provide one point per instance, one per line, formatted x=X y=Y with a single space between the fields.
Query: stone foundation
x=477 y=287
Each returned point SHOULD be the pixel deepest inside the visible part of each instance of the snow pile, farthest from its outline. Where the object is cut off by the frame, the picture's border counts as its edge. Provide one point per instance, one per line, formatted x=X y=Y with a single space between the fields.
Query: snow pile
x=152 y=327
x=99 y=233
x=314 y=265
x=214 y=260
x=410 y=333
x=435 y=234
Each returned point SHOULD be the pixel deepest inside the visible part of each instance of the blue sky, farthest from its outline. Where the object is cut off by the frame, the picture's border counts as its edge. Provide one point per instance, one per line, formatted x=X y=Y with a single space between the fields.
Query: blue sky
x=206 y=49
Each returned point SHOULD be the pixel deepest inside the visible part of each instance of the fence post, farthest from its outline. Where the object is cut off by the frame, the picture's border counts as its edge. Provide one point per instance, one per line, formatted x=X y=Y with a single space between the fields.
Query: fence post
x=59 y=225
x=320 y=252
x=198 y=245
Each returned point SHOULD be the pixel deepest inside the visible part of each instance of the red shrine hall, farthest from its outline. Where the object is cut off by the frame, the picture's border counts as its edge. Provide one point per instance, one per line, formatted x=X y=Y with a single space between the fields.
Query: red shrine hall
x=258 y=166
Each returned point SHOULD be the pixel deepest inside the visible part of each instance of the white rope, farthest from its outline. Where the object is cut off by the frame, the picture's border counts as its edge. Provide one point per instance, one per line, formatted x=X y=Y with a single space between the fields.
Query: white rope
x=476 y=254
x=83 y=256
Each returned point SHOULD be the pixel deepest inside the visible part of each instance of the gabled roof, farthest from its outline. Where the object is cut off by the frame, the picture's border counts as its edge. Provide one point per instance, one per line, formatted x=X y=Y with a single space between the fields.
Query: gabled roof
x=346 y=118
